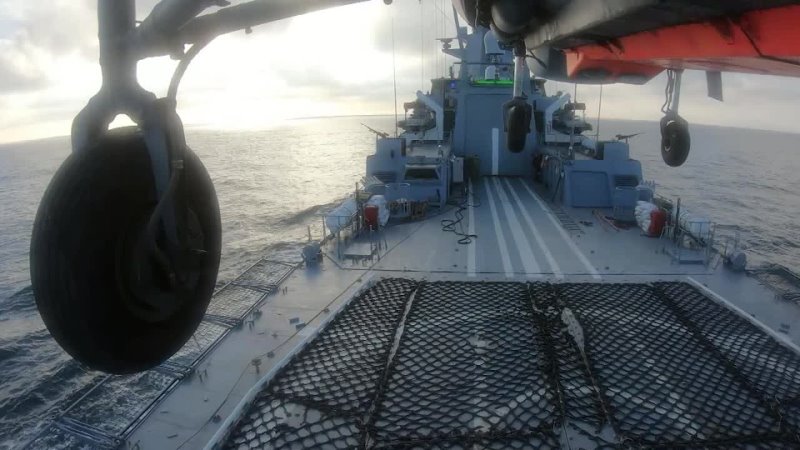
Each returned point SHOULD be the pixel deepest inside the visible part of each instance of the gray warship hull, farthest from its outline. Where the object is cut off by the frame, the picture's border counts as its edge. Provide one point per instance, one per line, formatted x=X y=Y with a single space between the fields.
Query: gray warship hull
x=672 y=353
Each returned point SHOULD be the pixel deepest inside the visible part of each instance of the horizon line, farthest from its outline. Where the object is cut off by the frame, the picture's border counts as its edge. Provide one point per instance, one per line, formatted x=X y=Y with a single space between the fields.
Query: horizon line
x=203 y=127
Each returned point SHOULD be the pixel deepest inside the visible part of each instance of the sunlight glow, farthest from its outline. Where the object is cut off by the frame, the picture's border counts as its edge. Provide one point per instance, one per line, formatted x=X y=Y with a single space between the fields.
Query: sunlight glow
x=332 y=62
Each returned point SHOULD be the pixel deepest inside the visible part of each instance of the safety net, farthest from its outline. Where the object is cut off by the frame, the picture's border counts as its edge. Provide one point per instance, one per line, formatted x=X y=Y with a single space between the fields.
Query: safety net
x=410 y=364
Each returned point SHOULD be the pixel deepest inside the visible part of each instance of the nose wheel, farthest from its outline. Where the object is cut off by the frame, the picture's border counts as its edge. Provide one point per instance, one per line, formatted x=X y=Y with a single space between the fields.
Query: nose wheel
x=112 y=292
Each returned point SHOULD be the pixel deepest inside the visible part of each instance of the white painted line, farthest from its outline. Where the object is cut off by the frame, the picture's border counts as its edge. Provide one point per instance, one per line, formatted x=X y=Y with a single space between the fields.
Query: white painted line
x=307 y=331
x=495 y=151
x=501 y=239
x=725 y=302
x=471 y=230
x=539 y=240
x=521 y=242
x=567 y=238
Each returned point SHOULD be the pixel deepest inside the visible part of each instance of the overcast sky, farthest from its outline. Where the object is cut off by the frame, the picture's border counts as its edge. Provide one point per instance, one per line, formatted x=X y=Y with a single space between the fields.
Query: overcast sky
x=333 y=62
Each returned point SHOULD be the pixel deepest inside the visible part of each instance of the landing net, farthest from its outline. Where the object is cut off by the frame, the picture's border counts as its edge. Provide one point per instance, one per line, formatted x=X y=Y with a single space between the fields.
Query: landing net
x=536 y=365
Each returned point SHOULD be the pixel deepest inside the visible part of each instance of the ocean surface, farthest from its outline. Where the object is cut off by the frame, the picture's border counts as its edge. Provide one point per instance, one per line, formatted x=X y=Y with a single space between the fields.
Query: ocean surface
x=272 y=184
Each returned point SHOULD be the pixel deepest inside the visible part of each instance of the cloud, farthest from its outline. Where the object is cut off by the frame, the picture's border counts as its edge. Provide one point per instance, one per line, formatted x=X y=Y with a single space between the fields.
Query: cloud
x=17 y=70
x=52 y=27
x=36 y=33
x=60 y=27
x=751 y=101
x=337 y=61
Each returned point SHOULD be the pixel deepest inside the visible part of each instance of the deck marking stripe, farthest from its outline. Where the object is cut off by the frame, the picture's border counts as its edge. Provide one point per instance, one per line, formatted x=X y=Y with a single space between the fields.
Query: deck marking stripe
x=786 y=341
x=567 y=238
x=501 y=239
x=471 y=232
x=539 y=240
x=495 y=151
x=521 y=242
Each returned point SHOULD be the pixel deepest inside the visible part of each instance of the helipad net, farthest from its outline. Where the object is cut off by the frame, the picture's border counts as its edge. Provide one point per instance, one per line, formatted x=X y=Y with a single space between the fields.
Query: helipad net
x=515 y=365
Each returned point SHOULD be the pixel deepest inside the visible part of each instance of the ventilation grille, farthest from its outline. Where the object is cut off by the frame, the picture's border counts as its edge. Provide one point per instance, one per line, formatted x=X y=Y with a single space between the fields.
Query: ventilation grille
x=567 y=222
x=386 y=177
x=626 y=181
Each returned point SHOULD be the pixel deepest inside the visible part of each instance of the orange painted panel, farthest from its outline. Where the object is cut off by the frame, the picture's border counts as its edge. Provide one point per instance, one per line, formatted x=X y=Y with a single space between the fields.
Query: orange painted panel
x=762 y=42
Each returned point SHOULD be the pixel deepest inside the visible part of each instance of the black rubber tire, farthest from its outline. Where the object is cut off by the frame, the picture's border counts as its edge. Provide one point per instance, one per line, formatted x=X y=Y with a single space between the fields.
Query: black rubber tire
x=675 y=141
x=93 y=201
x=517 y=128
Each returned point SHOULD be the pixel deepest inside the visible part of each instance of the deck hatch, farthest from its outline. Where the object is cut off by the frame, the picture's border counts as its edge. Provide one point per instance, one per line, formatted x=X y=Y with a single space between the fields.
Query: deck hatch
x=522 y=365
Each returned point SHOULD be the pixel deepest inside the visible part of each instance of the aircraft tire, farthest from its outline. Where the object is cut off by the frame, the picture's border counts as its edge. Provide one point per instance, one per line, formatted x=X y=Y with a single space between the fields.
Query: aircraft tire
x=517 y=128
x=675 y=140
x=88 y=228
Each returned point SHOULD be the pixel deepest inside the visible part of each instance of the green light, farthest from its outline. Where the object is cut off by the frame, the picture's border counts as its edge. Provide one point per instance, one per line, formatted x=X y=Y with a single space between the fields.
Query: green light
x=492 y=82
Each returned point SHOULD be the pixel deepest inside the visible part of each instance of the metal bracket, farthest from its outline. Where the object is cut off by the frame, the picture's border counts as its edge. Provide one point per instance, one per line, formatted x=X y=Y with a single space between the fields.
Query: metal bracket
x=673 y=91
x=676 y=96
x=521 y=72
x=166 y=30
x=714 y=84
x=121 y=93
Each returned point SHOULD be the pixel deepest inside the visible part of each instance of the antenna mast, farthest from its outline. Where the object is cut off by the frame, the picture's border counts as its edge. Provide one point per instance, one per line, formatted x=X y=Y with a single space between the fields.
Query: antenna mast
x=421 y=47
x=599 y=110
x=394 y=78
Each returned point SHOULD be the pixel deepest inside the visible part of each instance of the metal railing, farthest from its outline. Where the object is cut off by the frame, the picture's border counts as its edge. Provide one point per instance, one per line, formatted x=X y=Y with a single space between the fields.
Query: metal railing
x=111 y=408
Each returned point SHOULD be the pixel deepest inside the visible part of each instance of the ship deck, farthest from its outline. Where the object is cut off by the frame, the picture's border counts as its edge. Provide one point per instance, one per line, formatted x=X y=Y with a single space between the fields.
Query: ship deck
x=534 y=247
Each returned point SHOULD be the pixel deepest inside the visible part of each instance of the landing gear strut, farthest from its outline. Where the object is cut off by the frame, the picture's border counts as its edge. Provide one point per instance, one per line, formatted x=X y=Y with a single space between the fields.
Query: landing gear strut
x=675 y=139
x=518 y=111
x=126 y=243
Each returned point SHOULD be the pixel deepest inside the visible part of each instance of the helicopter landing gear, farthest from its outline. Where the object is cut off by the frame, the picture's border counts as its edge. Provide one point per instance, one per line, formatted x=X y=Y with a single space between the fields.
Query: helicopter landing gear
x=675 y=138
x=126 y=243
x=518 y=111
x=518 y=119
x=109 y=294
